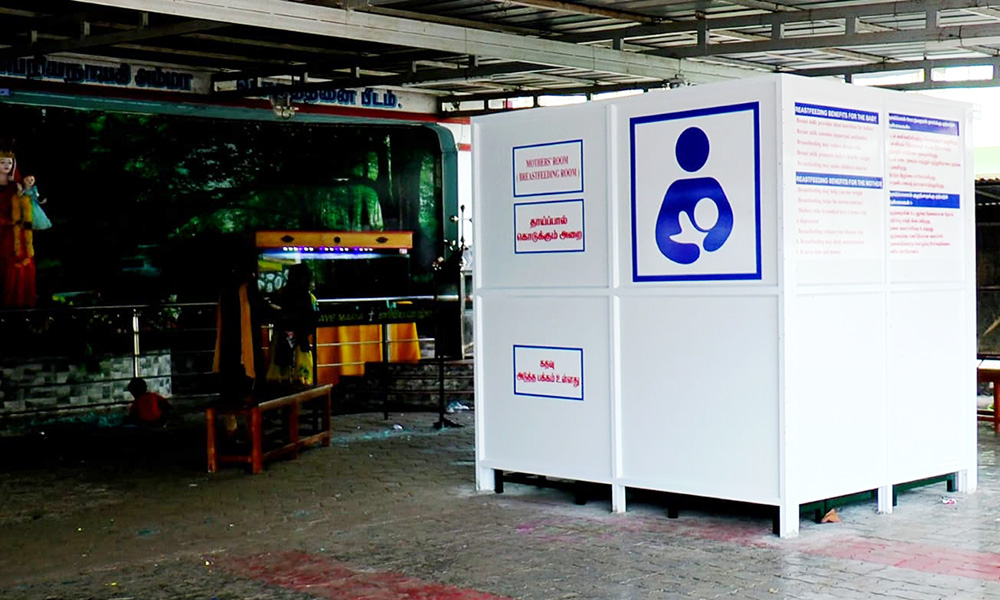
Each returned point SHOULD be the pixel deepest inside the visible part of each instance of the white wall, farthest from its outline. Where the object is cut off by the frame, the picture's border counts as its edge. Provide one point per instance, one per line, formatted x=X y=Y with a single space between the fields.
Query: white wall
x=771 y=299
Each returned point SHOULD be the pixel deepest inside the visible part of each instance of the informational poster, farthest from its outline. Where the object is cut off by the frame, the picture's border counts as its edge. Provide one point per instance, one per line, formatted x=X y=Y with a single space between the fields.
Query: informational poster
x=548 y=372
x=838 y=182
x=548 y=169
x=555 y=226
x=695 y=194
x=925 y=187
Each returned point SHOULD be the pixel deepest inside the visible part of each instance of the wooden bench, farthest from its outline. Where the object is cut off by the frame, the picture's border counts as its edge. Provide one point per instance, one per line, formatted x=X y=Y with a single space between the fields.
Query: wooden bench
x=989 y=371
x=252 y=413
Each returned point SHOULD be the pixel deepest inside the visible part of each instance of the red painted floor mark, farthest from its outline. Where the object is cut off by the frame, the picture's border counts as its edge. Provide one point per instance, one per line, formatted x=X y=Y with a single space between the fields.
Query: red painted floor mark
x=942 y=560
x=925 y=558
x=330 y=579
x=918 y=557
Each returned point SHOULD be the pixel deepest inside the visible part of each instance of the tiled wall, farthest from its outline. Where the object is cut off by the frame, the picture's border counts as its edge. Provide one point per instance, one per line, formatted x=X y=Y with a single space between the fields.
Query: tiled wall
x=57 y=384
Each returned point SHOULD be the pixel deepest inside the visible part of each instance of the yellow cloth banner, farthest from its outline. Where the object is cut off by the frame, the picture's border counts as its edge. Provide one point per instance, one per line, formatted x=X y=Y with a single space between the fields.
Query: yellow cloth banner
x=359 y=344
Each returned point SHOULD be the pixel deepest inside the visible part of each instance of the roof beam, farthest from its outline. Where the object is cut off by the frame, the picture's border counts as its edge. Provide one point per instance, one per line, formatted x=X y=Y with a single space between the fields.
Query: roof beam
x=377 y=7
x=446 y=20
x=563 y=91
x=110 y=39
x=358 y=4
x=760 y=5
x=954 y=36
x=419 y=78
x=942 y=85
x=582 y=9
x=328 y=65
x=775 y=18
x=333 y=22
x=194 y=58
x=908 y=65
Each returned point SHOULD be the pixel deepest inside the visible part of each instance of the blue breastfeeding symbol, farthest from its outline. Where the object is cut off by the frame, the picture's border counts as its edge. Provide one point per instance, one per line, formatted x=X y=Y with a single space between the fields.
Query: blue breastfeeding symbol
x=684 y=195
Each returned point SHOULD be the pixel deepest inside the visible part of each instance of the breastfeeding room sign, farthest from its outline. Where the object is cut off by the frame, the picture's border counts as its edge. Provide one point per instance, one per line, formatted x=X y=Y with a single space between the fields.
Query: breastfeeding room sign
x=548 y=169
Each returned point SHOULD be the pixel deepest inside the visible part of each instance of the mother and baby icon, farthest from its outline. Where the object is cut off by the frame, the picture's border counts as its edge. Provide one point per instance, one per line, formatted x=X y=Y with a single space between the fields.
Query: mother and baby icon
x=699 y=198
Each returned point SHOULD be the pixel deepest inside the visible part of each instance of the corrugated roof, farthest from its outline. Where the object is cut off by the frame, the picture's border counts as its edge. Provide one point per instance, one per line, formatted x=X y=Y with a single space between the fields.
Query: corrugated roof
x=711 y=38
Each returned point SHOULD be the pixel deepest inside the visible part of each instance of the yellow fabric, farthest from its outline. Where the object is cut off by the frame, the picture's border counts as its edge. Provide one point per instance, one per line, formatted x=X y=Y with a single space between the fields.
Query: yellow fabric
x=246 y=335
x=300 y=371
x=229 y=421
x=361 y=344
x=404 y=346
x=24 y=247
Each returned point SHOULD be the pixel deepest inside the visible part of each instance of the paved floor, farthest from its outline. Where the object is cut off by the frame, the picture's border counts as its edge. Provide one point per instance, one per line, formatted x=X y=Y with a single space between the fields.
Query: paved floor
x=391 y=514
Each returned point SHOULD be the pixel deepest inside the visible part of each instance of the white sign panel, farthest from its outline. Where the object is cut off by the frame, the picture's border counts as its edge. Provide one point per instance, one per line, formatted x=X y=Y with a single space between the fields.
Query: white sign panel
x=925 y=186
x=696 y=194
x=548 y=372
x=838 y=182
x=93 y=70
x=548 y=169
x=548 y=227
x=372 y=98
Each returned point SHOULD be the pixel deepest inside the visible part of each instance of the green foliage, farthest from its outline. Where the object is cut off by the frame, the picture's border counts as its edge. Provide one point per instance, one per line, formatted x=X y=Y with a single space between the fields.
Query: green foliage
x=178 y=194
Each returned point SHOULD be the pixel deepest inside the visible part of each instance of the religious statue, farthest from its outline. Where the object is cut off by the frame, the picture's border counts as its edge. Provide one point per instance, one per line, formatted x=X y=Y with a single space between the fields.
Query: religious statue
x=17 y=253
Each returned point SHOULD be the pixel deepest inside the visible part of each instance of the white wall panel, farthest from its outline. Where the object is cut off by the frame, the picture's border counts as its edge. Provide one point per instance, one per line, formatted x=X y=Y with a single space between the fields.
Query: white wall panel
x=558 y=429
x=700 y=395
x=839 y=437
x=542 y=190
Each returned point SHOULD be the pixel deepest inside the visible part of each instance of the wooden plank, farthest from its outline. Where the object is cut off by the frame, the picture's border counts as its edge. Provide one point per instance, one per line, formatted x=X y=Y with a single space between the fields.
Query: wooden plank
x=335 y=239
x=293 y=427
x=213 y=466
x=287 y=449
x=256 y=460
x=312 y=439
x=299 y=397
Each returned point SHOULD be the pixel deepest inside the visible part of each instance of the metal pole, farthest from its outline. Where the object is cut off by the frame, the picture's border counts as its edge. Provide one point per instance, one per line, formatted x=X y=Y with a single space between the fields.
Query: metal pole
x=135 y=342
x=382 y=383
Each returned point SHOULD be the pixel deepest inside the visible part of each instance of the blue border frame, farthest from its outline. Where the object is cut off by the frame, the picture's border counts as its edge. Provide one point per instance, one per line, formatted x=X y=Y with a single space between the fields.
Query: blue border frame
x=686 y=114
x=513 y=168
x=514 y=365
x=583 y=225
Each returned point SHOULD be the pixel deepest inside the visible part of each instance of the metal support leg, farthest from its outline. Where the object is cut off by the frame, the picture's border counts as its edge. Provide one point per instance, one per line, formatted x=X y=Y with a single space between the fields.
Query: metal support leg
x=293 y=428
x=618 y=498
x=256 y=443
x=886 y=499
x=785 y=522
